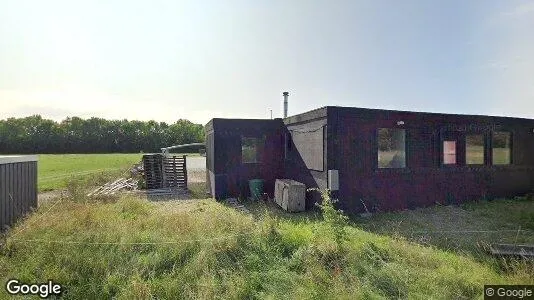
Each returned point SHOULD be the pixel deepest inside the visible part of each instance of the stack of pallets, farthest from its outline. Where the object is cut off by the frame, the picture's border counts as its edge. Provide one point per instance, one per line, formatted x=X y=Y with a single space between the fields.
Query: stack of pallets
x=163 y=172
x=153 y=169
x=175 y=172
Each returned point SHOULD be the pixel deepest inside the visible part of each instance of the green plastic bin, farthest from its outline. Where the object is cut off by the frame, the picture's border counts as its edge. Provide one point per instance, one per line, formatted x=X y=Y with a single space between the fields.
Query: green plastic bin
x=256 y=188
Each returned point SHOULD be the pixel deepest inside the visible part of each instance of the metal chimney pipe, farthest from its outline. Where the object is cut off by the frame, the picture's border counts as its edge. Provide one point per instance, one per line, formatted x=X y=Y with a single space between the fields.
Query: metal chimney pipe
x=286 y=94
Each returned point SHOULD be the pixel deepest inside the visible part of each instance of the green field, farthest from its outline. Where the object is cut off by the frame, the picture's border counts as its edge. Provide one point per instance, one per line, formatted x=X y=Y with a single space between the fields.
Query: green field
x=56 y=169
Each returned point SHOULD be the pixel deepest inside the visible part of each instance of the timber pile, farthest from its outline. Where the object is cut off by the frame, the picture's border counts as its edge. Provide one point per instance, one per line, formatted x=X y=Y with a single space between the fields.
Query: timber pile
x=113 y=187
x=153 y=171
x=164 y=172
x=175 y=172
x=162 y=176
x=137 y=169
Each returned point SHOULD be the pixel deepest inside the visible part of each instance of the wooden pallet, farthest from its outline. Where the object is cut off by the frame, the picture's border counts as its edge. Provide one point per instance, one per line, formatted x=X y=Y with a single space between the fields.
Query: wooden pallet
x=153 y=168
x=175 y=171
x=165 y=172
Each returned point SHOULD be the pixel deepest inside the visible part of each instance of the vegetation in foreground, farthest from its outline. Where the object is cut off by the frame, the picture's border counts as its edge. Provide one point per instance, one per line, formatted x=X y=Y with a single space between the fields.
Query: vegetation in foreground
x=130 y=248
x=470 y=227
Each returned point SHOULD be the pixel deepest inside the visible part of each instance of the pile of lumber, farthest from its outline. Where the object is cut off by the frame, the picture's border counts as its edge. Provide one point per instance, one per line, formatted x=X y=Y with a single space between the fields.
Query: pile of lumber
x=137 y=169
x=112 y=187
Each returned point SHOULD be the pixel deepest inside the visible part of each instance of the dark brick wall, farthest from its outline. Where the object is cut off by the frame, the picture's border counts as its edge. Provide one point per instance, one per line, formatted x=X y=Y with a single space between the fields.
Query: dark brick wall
x=230 y=175
x=350 y=146
x=425 y=181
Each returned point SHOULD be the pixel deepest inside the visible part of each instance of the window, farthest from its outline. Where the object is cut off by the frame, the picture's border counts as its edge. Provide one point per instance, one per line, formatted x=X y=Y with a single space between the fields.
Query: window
x=391 y=148
x=250 y=149
x=449 y=152
x=474 y=149
x=501 y=148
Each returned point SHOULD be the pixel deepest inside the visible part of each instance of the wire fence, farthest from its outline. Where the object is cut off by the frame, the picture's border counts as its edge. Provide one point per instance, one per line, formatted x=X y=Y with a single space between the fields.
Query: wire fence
x=13 y=238
x=74 y=174
x=44 y=241
x=464 y=231
x=38 y=218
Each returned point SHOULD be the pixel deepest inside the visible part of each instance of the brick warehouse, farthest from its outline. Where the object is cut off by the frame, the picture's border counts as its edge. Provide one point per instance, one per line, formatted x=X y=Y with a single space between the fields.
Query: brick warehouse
x=387 y=160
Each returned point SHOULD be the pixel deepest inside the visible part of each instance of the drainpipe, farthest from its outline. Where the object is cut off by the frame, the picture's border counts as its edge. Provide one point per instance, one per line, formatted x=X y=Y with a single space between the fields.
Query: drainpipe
x=286 y=94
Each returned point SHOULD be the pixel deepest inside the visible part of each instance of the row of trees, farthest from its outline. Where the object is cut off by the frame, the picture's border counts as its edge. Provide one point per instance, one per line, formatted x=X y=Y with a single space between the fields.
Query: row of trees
x=95 y=135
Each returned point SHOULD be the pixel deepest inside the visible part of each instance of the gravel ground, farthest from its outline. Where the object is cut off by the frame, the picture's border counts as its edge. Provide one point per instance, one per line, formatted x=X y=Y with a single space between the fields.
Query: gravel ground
x=48 y=196
x=196 y=175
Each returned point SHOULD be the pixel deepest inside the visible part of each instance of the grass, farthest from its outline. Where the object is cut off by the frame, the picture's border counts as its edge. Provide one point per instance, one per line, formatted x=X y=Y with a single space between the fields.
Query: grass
x=55 y=170
x=133 y=249
x=469 y=228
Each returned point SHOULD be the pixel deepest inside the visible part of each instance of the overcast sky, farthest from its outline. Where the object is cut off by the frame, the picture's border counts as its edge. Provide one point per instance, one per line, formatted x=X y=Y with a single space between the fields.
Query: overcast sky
x=166 y=60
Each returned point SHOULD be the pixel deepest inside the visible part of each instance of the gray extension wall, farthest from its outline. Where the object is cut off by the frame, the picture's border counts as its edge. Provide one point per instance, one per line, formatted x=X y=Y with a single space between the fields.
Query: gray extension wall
x=18 y=188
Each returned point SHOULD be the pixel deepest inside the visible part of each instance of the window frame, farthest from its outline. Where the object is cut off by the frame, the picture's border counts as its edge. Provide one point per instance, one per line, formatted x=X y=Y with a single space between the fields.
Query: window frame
x=484 y=148
x=451 y=136
x=258 y=152
x=511 y=147
x=456 y=160
x=377 y=151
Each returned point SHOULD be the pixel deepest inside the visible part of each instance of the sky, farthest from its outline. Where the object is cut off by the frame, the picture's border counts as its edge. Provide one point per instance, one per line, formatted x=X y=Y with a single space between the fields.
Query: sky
x=197 y=60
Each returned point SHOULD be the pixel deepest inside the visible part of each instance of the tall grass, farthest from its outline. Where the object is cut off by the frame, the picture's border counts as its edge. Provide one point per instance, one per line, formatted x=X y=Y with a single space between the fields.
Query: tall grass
x=129 y=248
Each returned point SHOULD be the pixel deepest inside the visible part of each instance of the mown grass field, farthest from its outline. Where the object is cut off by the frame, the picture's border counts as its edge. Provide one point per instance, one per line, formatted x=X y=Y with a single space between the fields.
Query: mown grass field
x=55 y=170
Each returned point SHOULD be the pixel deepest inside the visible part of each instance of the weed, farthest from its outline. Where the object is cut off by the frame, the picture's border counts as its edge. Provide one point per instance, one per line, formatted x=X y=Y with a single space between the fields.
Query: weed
x=333 y=218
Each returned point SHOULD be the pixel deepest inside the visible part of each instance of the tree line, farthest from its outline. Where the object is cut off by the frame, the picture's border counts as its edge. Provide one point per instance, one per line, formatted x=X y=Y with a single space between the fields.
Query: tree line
x=34 y=134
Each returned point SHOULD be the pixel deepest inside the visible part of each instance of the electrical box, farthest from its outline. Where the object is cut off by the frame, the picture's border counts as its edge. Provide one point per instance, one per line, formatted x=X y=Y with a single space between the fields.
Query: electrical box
x=333 y=180
x=290 y=195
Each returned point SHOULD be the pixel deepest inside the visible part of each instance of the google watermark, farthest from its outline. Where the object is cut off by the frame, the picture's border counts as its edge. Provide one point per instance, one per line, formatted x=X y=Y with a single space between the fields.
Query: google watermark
x=43 y=290
x=509 y=292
